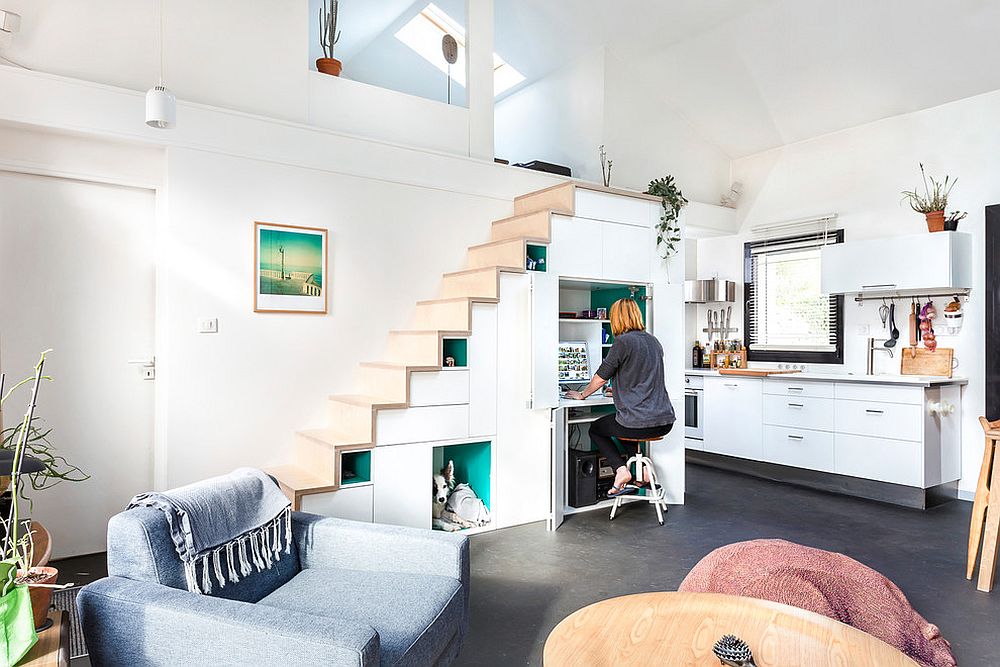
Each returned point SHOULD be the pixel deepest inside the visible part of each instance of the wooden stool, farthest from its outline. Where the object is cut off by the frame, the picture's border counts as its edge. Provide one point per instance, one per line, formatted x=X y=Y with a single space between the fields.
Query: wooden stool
x=642 y=463
x=986 y=508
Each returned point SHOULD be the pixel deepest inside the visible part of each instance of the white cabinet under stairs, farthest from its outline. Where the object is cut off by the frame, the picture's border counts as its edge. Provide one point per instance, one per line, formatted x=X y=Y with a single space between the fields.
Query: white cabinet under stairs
x=458 y=383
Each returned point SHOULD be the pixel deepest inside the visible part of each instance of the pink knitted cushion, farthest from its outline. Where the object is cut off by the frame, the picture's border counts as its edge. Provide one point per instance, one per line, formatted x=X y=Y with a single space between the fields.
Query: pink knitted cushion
x=823 y=582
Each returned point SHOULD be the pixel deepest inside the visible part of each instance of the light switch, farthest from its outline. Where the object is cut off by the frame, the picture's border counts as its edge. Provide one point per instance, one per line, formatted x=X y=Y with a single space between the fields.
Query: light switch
x=208 y=325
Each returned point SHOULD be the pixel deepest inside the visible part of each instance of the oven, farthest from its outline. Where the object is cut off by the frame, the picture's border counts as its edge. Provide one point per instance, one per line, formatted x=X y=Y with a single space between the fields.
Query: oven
x=694 y=407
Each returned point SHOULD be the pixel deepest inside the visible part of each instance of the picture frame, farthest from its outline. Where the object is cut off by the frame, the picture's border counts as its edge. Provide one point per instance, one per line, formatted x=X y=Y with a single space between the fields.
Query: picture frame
x=290 y=268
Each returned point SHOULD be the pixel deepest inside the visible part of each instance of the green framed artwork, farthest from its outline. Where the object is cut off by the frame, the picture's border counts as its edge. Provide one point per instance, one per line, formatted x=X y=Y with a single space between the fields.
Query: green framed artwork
x=290 y=269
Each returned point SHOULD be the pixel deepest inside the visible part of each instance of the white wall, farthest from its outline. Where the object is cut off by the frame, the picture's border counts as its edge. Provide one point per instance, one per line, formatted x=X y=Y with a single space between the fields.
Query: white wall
x=558 y=119
x=565 y=116
x=229 y=54
x=859 y=173
x=237 y=397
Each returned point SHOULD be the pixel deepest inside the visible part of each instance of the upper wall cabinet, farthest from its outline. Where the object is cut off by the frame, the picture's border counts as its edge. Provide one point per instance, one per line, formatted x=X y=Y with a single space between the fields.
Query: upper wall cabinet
x=896 y=264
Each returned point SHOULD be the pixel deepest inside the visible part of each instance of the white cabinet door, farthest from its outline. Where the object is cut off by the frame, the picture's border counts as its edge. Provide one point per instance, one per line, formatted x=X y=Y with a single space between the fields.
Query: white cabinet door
x=733 y=408
x=895 y=461
x=558 y=469
x=799 y=447
x=350 y=502
x=575 y=251
x=404 y=488
x=799 y=412
x=917 y=261
x=626 y=252
x=544 y=340
x=880 y=420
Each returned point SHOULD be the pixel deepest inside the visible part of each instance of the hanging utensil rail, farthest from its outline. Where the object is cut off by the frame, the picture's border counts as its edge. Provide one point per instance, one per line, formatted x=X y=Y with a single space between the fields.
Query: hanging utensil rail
x=912 y=294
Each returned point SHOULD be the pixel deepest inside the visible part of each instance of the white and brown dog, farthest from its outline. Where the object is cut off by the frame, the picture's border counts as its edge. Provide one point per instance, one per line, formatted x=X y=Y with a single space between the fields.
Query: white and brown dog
x=444 y=516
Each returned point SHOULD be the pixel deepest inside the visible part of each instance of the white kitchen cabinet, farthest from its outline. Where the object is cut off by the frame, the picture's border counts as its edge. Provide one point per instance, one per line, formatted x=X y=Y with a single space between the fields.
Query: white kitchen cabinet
x=799 y=388
x=799 y=447
x=881 y=459
x=896 y=421
x=920 y=261
x=799 y=412
x=733 y=408
x=402 y=496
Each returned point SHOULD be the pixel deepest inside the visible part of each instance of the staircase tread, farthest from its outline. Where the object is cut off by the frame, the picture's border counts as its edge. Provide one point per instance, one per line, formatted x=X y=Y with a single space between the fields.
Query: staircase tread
x=511 y=218
x=364 y=400
x=331 y=437
x=514 y=239
x=502 y=269
x=475 y=299
x=436 y=332
x=300 y=480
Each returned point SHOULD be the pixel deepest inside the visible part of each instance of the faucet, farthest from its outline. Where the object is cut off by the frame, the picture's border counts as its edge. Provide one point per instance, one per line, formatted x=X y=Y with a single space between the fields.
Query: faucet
x=872 y=348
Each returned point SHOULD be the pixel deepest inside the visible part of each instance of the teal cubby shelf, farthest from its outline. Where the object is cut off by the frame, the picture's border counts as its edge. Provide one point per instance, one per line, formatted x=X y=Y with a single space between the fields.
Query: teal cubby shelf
x=473 y=466
x=458 y=349
x=355 y=468
x=537 y=258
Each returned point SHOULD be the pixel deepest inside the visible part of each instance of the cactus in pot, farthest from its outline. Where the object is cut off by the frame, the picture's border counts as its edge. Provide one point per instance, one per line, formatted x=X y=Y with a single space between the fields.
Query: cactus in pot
x=328 y=38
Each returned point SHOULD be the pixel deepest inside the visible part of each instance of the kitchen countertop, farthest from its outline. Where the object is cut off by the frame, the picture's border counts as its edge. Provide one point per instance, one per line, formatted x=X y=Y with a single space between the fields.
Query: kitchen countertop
x=911 y=380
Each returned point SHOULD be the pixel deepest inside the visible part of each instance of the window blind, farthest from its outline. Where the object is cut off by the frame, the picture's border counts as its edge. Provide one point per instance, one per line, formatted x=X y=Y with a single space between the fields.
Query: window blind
x=785 y=309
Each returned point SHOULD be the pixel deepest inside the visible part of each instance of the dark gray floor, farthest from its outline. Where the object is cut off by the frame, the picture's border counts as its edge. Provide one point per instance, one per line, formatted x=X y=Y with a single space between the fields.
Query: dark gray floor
x=525 y=579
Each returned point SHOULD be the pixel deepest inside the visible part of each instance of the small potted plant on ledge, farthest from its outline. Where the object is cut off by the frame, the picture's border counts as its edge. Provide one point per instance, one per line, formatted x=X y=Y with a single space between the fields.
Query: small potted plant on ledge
x=328 y=38
x=933 y=201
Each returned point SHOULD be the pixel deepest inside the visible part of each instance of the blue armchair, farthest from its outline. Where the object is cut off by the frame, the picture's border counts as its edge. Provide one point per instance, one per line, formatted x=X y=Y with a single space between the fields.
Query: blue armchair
x=348 y=594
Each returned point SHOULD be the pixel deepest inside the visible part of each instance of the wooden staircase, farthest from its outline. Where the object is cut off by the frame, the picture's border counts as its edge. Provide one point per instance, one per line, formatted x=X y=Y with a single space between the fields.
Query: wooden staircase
x=385 y=384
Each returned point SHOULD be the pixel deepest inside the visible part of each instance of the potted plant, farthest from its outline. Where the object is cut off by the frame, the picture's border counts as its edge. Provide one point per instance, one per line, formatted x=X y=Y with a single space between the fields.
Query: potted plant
x=933 y=201
x=15 y=598
x=672 y=200
x=952 y=219
x=26 y=453
x=328 y=38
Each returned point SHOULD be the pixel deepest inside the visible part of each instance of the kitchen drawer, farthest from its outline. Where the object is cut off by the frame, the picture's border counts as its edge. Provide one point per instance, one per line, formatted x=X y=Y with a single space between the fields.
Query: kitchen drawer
x=895 y=461
x=789 y=387
x=882 y=393
x=801 y=448
x=799 y=411
x=880 y=420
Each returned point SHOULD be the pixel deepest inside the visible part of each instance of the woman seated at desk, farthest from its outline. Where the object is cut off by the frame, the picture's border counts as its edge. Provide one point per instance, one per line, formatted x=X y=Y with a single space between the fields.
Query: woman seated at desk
x=642 y=406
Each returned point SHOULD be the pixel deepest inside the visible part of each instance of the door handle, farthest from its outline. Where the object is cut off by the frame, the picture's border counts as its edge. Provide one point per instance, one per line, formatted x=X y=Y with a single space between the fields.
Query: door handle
x=875 y=412
x=795 y=437
x=795 y=405
x=143 y=362
x=732 y=385
x=796 y=389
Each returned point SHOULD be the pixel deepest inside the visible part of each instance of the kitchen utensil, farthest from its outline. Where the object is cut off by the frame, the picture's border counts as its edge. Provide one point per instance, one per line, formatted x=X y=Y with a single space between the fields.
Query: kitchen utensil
x=913 y=324
x=893 y=331
x=923 y=361
x=729 y=316
x=716 y=319
x=883 y=313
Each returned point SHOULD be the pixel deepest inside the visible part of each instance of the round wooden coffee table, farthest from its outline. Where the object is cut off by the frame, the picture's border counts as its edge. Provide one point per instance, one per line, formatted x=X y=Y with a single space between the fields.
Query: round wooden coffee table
x=680 y=629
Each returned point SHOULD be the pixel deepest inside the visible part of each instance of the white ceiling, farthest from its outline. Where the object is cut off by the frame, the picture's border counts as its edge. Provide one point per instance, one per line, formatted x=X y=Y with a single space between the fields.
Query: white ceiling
x=750 y=75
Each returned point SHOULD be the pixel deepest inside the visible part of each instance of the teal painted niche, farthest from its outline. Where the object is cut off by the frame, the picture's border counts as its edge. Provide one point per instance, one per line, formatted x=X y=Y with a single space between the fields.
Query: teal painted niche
x=457 y=348
x=603 y=298
x=355 y=468
x=473 y=465
x=539 y=255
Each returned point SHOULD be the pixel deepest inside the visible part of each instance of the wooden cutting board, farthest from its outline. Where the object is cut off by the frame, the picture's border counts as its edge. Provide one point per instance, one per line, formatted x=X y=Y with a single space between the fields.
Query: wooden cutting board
x=753 y=372
x=921 y=361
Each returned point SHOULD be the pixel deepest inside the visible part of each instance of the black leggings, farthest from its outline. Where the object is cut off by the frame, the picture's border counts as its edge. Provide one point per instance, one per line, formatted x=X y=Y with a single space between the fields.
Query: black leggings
x=602 y=430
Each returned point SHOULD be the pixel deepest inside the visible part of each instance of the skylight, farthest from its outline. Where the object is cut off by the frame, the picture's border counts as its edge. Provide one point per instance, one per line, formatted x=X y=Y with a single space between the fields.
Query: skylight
x=423 y=34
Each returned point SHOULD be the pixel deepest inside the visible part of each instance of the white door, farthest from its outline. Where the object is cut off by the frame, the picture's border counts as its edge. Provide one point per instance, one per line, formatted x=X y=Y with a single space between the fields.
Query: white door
x=558 y=468
x=77 y=275
x=544 y=340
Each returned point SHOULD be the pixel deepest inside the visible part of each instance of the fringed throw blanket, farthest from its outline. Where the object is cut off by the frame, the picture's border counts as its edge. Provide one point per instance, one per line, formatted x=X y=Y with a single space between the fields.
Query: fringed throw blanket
x=225 y=527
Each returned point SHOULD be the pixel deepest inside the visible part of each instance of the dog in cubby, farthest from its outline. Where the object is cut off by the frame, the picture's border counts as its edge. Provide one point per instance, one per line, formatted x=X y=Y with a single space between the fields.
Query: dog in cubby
x=443 y=513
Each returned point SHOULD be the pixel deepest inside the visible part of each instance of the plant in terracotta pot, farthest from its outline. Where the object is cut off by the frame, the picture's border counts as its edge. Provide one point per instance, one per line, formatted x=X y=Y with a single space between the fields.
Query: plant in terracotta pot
x=328 y=38
x=933 y=201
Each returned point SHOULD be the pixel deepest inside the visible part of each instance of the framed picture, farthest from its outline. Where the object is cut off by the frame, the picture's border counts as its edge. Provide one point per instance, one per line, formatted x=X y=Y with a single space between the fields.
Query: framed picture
x=289 y=268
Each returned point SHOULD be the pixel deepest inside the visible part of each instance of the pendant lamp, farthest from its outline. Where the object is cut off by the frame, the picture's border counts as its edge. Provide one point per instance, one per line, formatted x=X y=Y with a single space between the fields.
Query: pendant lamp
x=161 y=105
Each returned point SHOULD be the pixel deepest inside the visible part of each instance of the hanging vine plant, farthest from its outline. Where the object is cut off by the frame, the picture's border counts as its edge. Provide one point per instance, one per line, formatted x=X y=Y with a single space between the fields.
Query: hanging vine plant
x=672 y=200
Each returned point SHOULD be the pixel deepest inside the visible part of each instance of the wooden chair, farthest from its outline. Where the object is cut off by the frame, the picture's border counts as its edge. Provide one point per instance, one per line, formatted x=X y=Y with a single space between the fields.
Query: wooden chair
x=654 y=493
x=986 y=510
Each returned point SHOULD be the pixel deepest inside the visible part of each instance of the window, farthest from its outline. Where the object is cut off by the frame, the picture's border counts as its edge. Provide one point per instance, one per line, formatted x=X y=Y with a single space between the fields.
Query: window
x=787 y=318
x=423 y=34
